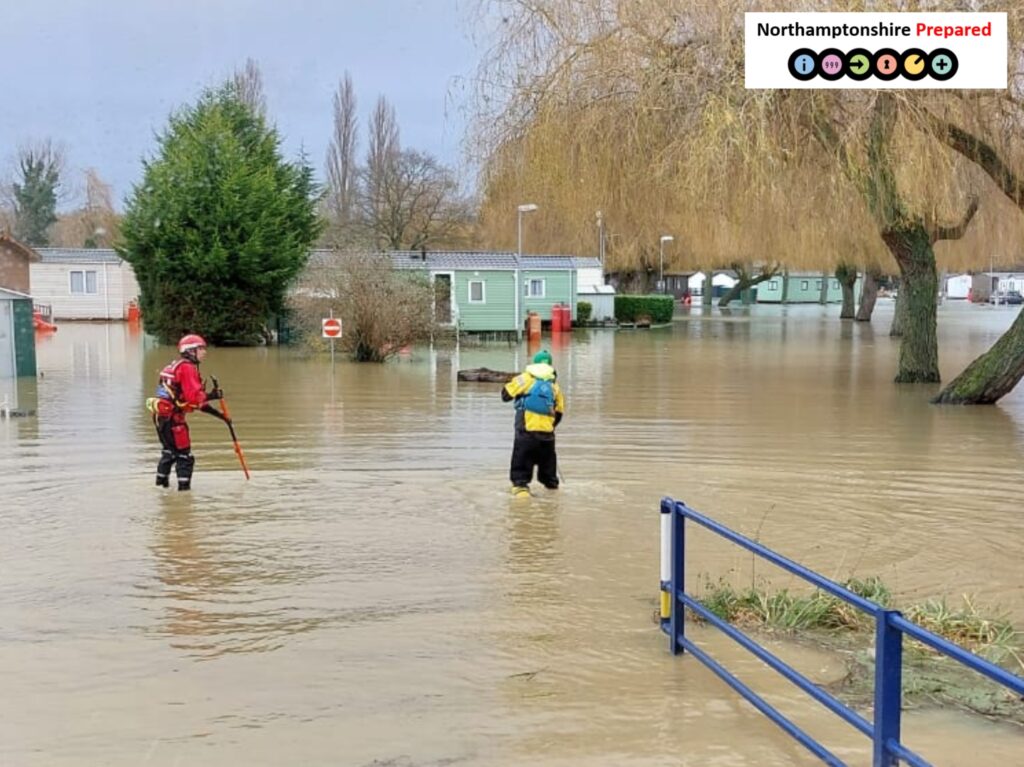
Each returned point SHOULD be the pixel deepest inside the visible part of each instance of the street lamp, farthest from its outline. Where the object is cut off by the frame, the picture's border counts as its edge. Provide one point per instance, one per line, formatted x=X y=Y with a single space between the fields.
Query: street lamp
x=664 y=238
x=528 y=207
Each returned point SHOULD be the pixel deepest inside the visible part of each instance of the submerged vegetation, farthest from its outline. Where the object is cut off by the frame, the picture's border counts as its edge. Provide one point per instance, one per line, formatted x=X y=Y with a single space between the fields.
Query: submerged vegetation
x=929 y=677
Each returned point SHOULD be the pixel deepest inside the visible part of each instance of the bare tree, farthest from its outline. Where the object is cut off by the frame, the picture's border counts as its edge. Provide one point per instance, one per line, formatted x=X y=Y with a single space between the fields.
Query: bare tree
x=95 y=223
x=381 y=154
x=413 y=203
x=407 y=199
x=248 y=83
x=341 y=155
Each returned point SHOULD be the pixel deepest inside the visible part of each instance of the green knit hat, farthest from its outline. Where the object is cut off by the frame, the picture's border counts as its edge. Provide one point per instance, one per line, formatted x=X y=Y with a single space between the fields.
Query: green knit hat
x=542 y=357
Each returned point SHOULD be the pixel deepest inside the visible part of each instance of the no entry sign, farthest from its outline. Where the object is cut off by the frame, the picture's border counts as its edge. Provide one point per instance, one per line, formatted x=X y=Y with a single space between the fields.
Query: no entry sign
x=331 y=327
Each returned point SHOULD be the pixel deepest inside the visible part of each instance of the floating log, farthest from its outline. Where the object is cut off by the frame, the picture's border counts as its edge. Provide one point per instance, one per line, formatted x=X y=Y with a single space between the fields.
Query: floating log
x=486 y=375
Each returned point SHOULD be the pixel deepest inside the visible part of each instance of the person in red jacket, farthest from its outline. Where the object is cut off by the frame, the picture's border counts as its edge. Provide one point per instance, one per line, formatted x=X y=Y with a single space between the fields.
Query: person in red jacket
x=180 y=392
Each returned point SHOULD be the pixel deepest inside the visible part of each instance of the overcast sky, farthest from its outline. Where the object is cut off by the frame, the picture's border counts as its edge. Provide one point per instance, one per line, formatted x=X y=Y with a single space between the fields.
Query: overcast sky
x=101 y=76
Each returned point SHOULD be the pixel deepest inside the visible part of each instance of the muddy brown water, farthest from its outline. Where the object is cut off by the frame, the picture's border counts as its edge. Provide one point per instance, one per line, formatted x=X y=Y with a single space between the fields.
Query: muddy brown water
x=373 y=597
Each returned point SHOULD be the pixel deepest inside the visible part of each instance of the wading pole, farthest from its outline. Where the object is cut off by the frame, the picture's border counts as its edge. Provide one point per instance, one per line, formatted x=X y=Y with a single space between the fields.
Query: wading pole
x=231 y=428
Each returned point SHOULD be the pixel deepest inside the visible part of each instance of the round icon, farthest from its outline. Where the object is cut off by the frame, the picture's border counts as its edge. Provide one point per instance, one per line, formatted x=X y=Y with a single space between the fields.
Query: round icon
x=858 y=64
x=942 y=64
x=887 y=64
x=831 y=63
x=914 y=63
x=803 y=64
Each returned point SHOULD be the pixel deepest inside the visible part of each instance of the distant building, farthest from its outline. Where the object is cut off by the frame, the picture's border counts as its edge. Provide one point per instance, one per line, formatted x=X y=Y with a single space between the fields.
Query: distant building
x=15 y=259
x=721 y=283
x=984 y=284
x=84 y=283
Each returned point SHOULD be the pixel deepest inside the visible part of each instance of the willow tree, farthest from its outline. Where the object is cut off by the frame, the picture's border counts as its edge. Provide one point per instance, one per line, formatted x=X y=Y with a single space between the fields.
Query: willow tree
x=640 y=110
x=991 y=138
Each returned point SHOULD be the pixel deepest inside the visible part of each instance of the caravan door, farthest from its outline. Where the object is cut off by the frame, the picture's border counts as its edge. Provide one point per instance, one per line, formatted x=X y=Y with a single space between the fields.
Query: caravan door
x=6 y=339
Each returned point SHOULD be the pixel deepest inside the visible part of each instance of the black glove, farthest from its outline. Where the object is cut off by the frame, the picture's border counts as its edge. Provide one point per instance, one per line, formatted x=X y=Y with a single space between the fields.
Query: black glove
x=211 y=410
x=214 y=393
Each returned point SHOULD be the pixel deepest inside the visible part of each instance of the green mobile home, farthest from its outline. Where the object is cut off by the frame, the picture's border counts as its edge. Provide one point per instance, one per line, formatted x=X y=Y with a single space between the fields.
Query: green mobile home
x=801 y=288
x=482 y=286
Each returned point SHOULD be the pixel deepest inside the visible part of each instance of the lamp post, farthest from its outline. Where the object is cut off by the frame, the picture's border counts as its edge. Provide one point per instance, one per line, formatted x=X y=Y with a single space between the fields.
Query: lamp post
x=528 y=207
x=661 y=273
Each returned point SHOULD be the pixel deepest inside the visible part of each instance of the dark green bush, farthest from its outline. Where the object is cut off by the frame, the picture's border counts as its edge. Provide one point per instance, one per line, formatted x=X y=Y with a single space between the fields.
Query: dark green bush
x=658 y=308
x=583 y=311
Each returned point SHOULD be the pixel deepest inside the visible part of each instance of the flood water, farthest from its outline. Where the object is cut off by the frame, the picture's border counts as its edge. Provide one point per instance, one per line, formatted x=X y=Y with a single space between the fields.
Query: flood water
x=373 y=596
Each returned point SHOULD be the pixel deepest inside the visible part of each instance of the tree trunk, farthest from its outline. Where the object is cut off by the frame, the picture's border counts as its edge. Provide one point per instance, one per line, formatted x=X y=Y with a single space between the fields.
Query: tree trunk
x=847 y=276
x=868 y=295
x=993 y=374
x=785 y=287
x=744 y=285
x=823 y=293
x=731 y=294
x=705 y=297
x=919 y=285
x=896 y=329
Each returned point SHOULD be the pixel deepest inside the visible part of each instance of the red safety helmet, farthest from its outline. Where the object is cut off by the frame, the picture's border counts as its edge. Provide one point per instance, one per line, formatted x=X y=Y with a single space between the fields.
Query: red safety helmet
x=189 y=342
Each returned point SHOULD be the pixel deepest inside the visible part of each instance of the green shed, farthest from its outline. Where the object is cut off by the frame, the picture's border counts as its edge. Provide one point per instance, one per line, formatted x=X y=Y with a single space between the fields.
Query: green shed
x=17 y=335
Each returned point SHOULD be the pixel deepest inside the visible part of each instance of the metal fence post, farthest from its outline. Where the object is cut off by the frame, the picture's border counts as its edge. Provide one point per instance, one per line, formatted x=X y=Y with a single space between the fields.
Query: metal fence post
x=676 y=620
x=888 y=687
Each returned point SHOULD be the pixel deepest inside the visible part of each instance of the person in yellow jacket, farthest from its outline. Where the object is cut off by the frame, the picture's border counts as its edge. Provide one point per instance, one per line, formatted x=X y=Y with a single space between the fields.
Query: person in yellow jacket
x=540 y=406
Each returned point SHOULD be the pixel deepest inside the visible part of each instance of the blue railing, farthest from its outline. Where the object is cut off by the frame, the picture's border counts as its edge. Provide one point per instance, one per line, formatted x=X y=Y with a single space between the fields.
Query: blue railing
x=890 y=626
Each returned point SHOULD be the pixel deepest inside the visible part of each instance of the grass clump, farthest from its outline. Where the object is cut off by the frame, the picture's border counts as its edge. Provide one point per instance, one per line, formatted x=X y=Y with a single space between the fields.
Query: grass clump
x=760 y=607
x=783 y=610
x=992 y=637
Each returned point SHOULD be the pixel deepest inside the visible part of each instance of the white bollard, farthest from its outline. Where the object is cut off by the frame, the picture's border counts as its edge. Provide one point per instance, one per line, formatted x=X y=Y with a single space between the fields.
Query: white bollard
x=666 y=562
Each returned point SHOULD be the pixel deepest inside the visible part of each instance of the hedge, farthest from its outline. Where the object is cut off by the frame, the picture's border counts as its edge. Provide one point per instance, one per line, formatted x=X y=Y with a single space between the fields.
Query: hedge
x=659 y=308
x=583 y=311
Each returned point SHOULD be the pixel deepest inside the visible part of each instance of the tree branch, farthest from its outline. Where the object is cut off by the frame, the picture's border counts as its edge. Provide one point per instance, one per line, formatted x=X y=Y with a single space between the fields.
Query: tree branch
x=982 y=154
x=936 y=233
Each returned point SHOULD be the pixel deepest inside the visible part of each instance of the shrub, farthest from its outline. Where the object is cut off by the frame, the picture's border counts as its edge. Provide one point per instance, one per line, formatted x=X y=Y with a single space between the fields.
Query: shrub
x=583 y=311
x=382 y=308
x=658 y=308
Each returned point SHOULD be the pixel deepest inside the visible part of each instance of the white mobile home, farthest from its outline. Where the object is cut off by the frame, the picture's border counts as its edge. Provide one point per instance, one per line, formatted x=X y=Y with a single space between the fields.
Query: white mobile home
x=83 y=283
x=590 y=287
x=958 y=286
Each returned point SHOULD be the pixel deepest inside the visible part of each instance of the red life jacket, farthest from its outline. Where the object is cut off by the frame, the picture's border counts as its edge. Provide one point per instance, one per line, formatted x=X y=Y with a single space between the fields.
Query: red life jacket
x=180 y=387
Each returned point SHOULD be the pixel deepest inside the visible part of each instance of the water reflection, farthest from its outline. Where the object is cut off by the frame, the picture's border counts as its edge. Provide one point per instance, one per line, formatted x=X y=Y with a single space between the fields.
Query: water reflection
x=224 y=590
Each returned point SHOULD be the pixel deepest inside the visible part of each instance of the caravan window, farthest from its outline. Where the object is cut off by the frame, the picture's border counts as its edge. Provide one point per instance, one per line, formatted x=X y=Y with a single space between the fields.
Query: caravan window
x=477 y=294
x=82 y=282
x=534 y=288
